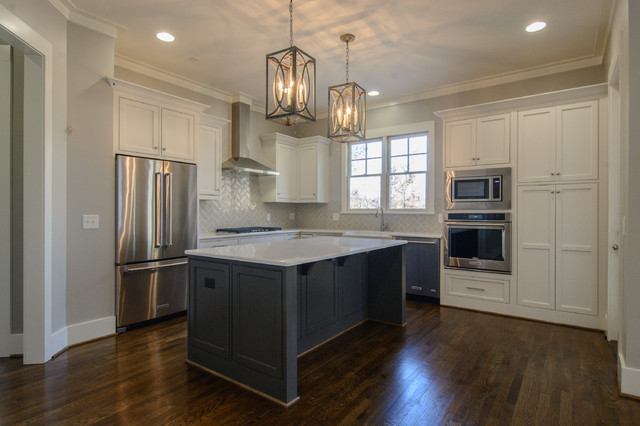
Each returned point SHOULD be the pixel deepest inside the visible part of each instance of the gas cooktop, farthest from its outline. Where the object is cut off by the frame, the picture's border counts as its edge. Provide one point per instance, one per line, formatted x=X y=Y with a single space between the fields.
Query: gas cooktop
x=247 y=229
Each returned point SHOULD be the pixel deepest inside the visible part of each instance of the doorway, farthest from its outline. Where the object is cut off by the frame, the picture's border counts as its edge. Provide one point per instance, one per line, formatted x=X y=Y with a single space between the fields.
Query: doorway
x=36 y=207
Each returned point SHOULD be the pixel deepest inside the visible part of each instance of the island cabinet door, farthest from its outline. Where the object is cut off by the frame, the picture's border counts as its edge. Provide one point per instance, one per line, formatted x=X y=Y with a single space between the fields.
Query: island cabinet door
x=353 y=285
x=258 y=319
x=209 y=308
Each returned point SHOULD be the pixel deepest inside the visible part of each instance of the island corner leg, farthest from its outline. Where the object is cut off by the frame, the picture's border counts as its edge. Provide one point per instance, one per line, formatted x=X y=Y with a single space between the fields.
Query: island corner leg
x=386 y=282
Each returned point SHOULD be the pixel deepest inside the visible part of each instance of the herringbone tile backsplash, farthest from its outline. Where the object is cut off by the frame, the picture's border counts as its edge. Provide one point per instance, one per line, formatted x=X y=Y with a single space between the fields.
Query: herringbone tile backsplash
x=240 y=204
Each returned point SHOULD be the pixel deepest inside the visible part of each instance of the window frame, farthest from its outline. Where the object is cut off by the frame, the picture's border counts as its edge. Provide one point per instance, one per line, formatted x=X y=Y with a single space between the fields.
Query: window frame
x=385 y=134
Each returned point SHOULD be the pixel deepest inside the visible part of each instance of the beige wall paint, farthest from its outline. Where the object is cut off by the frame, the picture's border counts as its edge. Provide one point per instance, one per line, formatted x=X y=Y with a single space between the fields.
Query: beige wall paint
x=17 y=181
x=90 y=176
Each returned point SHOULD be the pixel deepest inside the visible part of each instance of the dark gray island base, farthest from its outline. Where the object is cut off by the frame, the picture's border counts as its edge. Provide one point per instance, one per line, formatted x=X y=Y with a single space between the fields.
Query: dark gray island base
x=249 y=320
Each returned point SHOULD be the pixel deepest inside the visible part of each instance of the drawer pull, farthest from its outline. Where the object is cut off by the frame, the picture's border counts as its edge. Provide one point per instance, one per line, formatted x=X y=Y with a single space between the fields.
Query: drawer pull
x=476 y=288
x=415 y=287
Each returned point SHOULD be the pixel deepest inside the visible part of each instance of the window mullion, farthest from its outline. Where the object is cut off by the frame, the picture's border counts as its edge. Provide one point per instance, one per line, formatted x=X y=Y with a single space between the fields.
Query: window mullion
x=384 y=180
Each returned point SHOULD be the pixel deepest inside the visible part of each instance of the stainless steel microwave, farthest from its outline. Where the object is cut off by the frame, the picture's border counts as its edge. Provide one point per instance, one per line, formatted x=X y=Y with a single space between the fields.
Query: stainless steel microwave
x=483 y=189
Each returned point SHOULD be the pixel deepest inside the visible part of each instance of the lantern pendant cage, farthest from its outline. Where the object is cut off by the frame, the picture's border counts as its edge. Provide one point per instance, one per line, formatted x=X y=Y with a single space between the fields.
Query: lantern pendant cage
x=291 y=83
x=347 y=107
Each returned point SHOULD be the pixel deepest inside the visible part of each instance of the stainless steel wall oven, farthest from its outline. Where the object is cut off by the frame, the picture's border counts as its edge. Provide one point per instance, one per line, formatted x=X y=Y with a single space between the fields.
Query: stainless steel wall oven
x=478 y=241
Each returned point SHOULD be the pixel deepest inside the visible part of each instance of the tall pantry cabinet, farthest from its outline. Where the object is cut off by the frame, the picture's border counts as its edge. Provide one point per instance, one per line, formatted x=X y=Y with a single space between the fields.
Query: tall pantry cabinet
x=557 y=208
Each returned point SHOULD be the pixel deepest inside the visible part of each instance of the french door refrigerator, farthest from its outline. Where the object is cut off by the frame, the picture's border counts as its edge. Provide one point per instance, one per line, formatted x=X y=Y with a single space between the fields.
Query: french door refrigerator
x=156 y=221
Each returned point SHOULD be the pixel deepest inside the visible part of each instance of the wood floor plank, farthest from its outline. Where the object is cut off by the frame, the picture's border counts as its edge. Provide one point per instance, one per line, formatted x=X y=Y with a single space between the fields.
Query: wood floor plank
x=447 y=366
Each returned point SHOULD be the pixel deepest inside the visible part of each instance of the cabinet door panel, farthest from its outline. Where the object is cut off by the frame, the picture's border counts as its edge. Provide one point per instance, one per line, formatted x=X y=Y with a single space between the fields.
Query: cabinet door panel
x=178 y=135
x=536 y=247
x=139 y=127
x=536 y=145
x=308 y=166
x=287 y=181
x=576 y=242
x=209 y=317
x=492 y=143
x=577 y=136
x=257 y=319
x=209 y=162
x=321 y=297
x=460 y=143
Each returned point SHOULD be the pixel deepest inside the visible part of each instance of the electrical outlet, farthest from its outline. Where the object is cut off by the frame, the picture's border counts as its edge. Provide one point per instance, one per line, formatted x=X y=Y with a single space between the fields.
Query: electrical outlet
x=268 y=217
x=292 y=216
x=440 y=218
x=336 y=216
x=90 y=221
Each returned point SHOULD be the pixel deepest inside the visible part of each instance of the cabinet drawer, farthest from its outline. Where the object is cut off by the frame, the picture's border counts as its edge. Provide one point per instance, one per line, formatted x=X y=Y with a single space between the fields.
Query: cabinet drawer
x=495 y=290
x=218 y=242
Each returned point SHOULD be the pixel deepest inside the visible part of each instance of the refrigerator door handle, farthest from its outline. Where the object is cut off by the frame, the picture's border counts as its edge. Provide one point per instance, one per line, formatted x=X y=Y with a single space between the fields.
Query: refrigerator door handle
x=152 y=267
x=168 y=212
x=157 y=240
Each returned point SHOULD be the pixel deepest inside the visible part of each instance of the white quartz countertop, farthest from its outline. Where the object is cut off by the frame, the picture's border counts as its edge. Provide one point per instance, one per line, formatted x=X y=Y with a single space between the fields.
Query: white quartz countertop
x=344 y=232
x=296 y=252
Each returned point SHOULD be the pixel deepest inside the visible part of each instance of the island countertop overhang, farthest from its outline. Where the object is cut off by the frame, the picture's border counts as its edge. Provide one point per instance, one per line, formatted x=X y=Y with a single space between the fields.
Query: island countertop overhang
x=295 y=252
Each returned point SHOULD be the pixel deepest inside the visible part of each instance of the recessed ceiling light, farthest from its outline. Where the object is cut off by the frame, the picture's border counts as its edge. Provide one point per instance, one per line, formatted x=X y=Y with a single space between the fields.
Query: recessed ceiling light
x=373 y=93
x=536 y=26
x=165 y=37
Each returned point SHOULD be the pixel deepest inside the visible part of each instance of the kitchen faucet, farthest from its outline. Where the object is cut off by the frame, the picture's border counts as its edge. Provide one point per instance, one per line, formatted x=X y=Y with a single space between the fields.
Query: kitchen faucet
x=383 y=226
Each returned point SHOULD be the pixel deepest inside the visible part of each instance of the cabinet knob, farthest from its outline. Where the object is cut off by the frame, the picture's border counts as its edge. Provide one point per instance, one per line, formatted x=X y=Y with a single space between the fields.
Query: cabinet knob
x=553 y=174
x=164 y=148
x=557 y=173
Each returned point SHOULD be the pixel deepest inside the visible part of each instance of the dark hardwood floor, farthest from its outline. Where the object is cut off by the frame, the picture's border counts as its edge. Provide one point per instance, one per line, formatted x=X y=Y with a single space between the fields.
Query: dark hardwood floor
x=447 y=366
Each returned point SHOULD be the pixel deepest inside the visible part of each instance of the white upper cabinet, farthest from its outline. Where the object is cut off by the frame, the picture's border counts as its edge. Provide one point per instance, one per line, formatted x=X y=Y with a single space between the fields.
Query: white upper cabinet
x=558 y=144
x=209 y=156
x=154 y=124
x=139 y=127
x=303 y=165
x=477 y=141
x=177 y=135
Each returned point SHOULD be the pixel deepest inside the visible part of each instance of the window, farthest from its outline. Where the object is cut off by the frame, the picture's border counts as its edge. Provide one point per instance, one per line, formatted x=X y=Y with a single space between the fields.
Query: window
x=394 y=171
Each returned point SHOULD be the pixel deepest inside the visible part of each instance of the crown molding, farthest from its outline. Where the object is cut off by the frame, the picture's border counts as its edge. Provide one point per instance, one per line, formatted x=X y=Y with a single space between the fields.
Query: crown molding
x=73 y=14
x=159 y=74
x=496 y=80
x=558 y=97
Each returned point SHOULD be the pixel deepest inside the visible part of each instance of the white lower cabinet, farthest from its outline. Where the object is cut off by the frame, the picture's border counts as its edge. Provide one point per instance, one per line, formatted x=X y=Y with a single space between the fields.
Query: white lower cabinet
x=557 y=247
x=477 y=286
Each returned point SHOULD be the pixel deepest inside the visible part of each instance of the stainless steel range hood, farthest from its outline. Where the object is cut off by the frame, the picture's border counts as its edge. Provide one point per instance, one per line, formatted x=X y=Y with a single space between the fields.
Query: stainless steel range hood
x=240 y=157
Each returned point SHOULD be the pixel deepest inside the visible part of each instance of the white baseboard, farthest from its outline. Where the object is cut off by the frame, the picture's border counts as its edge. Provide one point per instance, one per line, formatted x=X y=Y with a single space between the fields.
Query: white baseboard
x=90 y=330
x=59 y=341
x=629 y=378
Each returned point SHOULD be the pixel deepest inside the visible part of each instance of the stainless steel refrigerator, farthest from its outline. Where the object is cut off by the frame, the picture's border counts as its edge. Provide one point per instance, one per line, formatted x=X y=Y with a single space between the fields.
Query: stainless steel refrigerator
x=156 y=221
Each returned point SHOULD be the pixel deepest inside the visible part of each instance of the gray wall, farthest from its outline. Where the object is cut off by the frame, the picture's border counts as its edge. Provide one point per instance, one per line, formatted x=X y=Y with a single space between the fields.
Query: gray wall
x=631 y=285
x=90 y=176
x=17 y=171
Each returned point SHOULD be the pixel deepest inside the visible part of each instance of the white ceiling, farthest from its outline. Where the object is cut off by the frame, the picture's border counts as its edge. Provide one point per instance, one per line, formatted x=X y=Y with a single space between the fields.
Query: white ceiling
x=403 y=48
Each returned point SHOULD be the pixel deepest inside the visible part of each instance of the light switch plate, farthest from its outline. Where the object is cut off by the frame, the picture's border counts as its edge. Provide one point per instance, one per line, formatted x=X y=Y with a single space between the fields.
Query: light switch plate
x=268 y=217
x=336 y=216
x=292 y=216
x=90 y=221
x=440 y=219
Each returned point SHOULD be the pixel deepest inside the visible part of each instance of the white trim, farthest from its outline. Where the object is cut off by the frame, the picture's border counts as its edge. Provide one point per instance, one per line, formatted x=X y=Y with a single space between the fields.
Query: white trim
x=59 y=340
x=525 y=102
x=157 y=73
x=485 y=82
x=384 y=132
x=85 y=19
x=629 y=377
x=90 y=330
x=160 y=97
x=38 y=206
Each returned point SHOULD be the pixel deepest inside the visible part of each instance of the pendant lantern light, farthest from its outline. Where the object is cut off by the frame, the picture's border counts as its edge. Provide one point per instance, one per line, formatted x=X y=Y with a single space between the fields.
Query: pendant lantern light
x=347 y=107
x=291 y=83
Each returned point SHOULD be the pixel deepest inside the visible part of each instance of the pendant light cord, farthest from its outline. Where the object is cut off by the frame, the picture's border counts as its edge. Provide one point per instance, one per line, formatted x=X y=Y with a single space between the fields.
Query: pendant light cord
x=291 y=23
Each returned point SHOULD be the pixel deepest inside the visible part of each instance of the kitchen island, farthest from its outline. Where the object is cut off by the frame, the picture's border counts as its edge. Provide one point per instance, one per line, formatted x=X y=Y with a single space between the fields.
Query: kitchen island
x=254 y=308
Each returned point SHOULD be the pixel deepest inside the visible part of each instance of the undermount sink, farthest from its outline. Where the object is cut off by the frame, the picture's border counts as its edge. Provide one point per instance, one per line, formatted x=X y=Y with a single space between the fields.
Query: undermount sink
x=368 y=234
